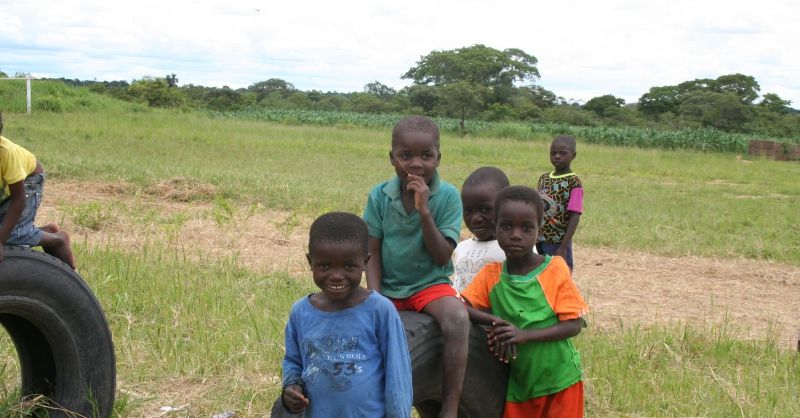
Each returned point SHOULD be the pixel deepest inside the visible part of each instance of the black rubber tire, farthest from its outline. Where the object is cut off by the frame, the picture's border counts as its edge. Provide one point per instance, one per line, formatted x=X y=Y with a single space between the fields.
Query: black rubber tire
x=484 y=391
x=60 y=333
x=278 y=411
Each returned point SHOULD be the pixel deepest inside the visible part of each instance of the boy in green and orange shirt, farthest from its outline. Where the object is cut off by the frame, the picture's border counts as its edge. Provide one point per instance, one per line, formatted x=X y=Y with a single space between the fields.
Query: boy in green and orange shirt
x=533 y=308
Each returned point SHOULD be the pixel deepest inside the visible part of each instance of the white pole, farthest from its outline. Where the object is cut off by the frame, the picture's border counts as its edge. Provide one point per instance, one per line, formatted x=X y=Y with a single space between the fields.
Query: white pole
x=28 y=92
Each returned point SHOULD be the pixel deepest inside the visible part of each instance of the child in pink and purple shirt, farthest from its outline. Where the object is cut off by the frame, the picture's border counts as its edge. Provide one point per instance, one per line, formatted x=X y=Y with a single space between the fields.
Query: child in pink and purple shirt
x=562 y=193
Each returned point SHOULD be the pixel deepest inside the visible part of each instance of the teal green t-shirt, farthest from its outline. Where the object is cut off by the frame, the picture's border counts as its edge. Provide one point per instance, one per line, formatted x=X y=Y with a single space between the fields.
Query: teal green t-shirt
x=407 y=265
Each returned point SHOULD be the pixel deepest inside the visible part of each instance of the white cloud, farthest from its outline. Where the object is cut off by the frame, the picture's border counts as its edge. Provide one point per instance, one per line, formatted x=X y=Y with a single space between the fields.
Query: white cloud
x=585 y=48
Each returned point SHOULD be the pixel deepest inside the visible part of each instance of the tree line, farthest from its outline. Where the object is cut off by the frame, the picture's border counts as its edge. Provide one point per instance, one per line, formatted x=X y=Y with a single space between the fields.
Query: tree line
x=482 y=83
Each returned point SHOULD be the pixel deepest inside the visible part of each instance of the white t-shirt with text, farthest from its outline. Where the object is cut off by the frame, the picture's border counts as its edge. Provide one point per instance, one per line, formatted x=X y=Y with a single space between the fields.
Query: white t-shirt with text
x=469 y=258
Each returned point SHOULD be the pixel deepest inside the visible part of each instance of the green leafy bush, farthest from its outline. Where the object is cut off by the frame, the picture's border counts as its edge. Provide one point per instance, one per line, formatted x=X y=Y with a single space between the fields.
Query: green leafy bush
x=48 y=104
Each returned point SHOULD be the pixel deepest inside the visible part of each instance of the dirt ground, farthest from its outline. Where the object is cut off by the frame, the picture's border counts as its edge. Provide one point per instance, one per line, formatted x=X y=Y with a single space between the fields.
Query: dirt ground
x=620 y=286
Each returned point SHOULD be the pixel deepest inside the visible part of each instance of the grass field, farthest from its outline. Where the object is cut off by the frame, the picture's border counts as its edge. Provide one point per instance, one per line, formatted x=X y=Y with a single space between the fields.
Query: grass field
x=671 y=203
x=207 y=331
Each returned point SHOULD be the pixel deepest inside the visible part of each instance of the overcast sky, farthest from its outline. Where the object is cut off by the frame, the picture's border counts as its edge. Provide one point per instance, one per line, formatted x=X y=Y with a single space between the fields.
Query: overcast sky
x=585 y=48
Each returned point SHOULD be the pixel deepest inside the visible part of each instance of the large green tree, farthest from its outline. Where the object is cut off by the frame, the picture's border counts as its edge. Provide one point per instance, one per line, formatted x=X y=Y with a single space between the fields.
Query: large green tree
x=745 y=87
x=604 y=105
x=660 y=100
x=774 y=103
x=461 y=99
x=470 y=79
x=379 y=89
x=663 y=99
x=718 y=110
x=273 y=85
x=226 y=98
x=156 y=92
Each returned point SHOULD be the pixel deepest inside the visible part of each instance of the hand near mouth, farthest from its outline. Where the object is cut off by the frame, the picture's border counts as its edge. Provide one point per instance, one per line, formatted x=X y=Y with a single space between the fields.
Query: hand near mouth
x=416 y=184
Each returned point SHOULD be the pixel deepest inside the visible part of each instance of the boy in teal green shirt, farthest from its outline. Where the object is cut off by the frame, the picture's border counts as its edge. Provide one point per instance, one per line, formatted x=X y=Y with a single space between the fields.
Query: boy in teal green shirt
x=414 y=222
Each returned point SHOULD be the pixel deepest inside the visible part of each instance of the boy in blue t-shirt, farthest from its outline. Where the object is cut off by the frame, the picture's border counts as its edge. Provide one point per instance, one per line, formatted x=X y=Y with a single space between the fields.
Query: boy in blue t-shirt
x=414 y=222
x=346 y=351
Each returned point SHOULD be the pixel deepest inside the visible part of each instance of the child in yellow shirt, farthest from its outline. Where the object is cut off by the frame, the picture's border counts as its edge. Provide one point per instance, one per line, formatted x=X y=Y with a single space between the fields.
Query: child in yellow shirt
x=22 y=178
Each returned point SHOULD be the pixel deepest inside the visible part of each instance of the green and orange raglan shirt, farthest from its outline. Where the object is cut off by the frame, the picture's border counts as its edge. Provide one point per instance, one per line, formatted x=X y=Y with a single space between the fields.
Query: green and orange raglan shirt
x=539 y=299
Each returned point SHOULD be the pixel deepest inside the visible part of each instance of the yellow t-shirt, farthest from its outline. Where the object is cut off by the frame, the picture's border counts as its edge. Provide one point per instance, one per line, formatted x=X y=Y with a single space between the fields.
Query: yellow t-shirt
x=16 y=163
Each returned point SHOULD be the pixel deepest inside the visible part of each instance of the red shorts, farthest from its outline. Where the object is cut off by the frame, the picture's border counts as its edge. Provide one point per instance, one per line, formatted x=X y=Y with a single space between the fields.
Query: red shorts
x=565 y=404
x=418 y=301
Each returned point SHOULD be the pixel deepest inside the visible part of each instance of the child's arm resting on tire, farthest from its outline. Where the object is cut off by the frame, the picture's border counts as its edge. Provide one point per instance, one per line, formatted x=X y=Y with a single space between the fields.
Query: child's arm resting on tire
x=503 y=352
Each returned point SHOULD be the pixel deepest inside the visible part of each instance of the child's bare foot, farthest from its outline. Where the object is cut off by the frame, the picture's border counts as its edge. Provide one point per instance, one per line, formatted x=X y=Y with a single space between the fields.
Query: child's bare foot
x=58 y=245
x=66 y=250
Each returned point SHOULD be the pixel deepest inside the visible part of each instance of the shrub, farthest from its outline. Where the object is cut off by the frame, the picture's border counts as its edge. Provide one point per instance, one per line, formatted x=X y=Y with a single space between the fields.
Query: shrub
x=48 y=104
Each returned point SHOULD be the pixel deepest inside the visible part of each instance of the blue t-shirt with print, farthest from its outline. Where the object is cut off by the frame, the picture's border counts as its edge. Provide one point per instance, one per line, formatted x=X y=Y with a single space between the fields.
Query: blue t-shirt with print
x=352 y=363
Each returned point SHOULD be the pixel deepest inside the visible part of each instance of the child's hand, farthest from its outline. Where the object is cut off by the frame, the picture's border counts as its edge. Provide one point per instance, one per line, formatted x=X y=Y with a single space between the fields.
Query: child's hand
x=421 y=191
x=294 y=399
x=508 y=352
x=503 y=350
x=506 y=334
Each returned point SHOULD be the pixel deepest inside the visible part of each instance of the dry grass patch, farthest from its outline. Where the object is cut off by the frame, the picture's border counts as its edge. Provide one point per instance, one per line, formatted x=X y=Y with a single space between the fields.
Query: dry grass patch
x=183 y=189
x=120 y=217
x=760 y=299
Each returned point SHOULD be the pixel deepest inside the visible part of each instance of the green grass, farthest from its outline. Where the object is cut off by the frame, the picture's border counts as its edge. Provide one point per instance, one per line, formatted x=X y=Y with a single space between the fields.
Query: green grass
x=185 y=323
x=56 y=97
x=14 y=405
x=217 y=328
x=9 y=375
x=666 y=202
x=684 y=370
x=209 y=326
x=209 y=322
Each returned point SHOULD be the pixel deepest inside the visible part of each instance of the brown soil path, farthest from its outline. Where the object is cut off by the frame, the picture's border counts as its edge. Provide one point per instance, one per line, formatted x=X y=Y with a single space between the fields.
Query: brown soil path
x=755 y=296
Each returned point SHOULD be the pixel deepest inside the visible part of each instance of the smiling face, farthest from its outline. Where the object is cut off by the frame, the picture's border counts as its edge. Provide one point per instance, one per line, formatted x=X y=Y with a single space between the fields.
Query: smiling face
x=517 y=228
x=561 y=156
x=415 y=153
x=337 y=269
x=477 y=201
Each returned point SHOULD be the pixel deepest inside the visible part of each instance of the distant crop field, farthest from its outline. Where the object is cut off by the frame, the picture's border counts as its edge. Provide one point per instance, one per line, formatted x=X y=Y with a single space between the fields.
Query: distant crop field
x=701 y=139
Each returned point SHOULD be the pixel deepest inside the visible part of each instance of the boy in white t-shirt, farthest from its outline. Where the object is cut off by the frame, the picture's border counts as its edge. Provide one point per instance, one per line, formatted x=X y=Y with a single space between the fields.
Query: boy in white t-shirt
x=477 y=199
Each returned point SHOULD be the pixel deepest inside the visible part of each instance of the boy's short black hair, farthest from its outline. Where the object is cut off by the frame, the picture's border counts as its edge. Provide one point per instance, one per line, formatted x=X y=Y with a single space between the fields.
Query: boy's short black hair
x=415 y=124
x=483 y=175
x=522 y=194
x=338 y=227
x=569 y=140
